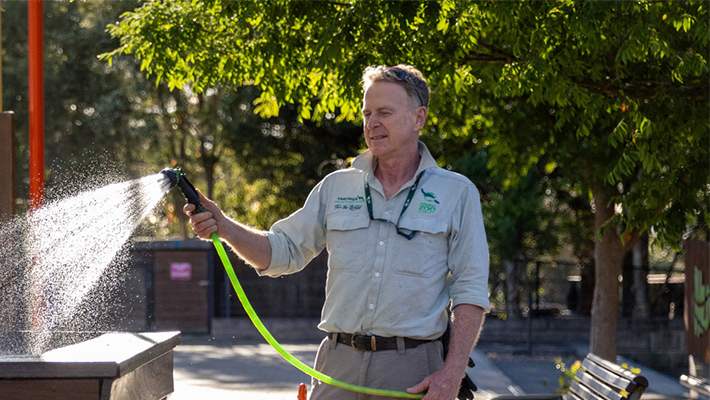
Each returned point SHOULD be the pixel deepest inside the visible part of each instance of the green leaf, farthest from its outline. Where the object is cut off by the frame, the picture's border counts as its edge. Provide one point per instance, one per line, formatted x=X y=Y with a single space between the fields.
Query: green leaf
x=549 y=167
x=443 y=24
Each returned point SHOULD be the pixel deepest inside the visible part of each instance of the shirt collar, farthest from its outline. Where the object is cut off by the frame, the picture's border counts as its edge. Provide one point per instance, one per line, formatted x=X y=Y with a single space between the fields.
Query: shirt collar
x=366 y=161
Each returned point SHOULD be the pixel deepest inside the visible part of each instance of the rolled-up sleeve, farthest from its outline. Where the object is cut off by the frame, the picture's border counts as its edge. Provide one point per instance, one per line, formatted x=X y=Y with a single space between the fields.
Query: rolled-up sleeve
x=468 y=253
x=299 y=238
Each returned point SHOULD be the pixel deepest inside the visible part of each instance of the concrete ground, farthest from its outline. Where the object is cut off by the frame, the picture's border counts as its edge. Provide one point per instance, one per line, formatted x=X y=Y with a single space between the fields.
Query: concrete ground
x=207 y=368
x=222 y=370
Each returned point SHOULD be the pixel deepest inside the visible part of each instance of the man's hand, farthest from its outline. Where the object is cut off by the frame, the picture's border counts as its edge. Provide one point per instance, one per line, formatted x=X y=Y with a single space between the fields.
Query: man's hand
x=204 y=223
x=466 y=323
x=441 y=385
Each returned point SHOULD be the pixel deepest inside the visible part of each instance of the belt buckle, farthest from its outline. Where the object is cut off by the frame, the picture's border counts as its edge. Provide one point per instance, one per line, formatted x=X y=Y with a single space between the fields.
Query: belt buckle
x=360 y=342
x=353 y=344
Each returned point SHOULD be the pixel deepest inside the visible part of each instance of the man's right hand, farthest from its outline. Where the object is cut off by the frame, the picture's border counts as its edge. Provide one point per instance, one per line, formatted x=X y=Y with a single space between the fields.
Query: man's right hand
x=204 y=223
x=250 y=244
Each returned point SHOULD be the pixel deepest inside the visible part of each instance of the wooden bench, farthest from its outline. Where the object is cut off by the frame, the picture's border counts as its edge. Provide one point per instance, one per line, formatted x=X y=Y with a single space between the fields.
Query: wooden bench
x=699 y=385
x=597 y=379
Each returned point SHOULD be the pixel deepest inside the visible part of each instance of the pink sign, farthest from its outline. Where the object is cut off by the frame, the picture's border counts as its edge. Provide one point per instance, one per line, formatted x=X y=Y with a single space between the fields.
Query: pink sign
x=180 y=271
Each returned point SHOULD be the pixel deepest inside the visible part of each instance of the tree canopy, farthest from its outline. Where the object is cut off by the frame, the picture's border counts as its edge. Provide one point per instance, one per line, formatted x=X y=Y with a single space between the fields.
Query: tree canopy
x=621 y=81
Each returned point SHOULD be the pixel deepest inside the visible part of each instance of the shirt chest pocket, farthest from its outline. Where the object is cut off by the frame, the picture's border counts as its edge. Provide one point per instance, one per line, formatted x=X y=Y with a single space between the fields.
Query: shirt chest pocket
x=426 y=253
x=347 y=241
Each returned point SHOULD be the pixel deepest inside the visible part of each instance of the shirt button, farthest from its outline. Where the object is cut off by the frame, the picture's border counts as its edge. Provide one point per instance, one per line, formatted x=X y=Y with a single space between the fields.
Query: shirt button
x=382 y=243
x=371 y=306
x=387 y=213
x=377 y=274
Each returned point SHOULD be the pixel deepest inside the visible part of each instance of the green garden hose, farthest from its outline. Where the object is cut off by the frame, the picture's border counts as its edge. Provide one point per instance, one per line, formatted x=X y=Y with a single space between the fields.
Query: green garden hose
x=285 y=354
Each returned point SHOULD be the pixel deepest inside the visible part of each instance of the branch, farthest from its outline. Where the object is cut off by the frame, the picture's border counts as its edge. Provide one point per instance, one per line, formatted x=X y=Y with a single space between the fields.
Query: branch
x=498 y=51
x=484 y=58
x=632 y=89
x=496 y=56
x=607 y=90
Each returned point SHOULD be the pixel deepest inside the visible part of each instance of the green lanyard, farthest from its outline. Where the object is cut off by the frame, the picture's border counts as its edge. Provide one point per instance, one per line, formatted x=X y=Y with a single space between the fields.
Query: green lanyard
x=410 y=195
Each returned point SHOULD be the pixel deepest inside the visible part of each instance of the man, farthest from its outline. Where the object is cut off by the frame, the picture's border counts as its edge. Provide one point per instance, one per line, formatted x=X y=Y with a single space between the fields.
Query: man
x=405 y=239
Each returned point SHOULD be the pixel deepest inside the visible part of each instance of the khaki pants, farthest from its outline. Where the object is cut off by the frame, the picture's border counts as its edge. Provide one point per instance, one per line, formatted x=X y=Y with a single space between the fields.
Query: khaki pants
x=389 y=369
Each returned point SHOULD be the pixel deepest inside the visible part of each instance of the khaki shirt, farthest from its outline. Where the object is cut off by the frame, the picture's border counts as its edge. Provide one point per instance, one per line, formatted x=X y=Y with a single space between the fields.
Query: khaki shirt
x=380 y=283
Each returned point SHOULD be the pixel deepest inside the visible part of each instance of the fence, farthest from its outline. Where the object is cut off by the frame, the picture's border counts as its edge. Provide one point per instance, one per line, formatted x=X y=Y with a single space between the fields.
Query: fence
x=558 y=288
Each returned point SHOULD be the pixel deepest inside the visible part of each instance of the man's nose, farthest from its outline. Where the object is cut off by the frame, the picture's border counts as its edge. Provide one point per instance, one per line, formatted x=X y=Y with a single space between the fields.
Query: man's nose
x=372 y=122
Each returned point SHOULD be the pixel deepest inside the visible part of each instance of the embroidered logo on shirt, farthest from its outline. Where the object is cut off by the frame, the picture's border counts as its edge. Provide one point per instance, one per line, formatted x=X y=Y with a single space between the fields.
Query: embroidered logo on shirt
x=430 y=196
x=349 y=203
x=429 y=206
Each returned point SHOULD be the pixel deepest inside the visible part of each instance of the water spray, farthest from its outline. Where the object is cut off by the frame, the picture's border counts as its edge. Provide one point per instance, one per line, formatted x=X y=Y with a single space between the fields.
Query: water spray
x=177 y=178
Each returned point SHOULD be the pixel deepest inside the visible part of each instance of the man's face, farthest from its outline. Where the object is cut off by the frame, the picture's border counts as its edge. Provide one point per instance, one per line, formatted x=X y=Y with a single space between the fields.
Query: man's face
x=391 y=127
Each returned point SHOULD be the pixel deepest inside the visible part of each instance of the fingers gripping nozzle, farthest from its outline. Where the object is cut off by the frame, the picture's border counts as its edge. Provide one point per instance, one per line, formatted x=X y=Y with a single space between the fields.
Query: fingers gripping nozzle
x=179 y=179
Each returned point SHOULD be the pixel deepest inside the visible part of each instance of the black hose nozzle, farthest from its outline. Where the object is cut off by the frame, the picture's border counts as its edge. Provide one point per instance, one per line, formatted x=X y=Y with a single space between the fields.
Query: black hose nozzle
x=179 y=179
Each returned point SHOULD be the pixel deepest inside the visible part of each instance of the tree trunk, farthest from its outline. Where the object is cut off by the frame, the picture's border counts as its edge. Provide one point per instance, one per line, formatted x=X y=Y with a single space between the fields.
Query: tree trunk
x=609 y=252
x=642 y=310
x=208 y=147
x=182 y=219
x=586 y=292
x=512 y=292
x=627 y=286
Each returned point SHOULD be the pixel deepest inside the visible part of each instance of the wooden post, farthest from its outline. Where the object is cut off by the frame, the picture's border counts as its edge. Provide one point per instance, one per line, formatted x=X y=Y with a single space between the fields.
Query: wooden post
x=7 y=165
x=8 y=318
x=1 y=11
x=697 y=305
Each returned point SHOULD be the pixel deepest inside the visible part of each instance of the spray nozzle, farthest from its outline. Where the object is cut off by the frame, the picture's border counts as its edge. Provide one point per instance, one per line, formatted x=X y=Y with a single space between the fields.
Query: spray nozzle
x=173 y=175
x=179 y=179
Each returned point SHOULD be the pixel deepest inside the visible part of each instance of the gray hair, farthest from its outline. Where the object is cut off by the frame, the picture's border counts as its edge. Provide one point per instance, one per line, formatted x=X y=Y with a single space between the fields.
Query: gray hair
x=413 y=82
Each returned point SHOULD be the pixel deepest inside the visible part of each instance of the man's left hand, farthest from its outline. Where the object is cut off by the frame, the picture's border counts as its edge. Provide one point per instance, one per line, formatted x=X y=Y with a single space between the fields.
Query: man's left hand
x=441 y=385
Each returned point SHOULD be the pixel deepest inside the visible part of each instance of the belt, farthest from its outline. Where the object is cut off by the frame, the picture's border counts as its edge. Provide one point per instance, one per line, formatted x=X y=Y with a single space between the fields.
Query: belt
x=375 y=343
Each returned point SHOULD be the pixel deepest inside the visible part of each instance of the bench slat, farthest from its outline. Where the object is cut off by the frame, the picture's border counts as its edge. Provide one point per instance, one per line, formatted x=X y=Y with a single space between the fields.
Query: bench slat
x=599 y=379
x=611 y=378
x=592 y=382
x=571 y=395
x=697 y=384
x=578 y=391
x=640 y=380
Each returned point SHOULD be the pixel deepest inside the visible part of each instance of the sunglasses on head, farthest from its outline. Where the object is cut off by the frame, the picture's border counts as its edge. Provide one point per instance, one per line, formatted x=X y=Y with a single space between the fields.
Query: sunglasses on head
x=403 y=76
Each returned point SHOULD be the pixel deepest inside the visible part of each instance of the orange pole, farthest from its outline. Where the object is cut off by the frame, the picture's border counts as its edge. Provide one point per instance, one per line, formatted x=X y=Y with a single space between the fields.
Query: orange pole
x=36 y=80
x=38 y=304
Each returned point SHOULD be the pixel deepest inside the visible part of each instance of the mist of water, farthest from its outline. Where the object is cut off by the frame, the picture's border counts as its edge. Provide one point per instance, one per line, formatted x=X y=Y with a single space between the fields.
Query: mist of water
x=52 y=257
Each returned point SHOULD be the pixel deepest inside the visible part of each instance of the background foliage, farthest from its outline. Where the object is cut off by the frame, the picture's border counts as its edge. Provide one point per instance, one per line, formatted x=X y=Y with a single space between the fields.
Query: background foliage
x=609 y=86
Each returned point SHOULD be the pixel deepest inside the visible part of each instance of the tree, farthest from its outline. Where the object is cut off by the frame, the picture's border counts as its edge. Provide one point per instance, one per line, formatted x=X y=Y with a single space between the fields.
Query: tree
x=285 y=157
x=624 y=86
x=106 y=124
x=525 y=220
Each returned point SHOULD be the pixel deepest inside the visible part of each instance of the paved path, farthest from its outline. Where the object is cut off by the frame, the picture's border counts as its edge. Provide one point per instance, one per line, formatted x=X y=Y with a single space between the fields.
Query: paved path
x=253 y=371
x=223 y=370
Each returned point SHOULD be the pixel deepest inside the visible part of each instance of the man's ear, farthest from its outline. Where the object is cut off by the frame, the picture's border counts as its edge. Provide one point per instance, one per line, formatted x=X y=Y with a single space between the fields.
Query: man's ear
x=421 y=115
